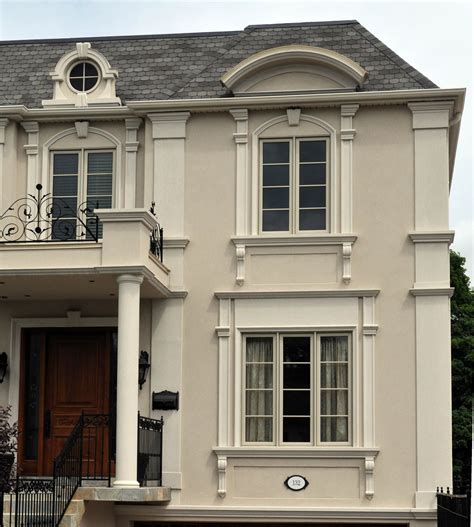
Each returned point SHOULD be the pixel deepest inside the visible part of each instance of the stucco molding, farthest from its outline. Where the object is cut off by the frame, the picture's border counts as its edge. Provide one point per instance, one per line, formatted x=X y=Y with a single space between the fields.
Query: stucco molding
x=307 y=293
x=292 y=54
x=31 y=149
x=344 y=240
x=432 y=237
x=132 y=125
x=240 y=135
x=432 y=291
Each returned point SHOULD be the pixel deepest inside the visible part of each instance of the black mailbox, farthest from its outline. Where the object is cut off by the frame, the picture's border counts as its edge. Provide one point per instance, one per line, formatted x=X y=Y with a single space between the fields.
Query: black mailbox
x=165 y=400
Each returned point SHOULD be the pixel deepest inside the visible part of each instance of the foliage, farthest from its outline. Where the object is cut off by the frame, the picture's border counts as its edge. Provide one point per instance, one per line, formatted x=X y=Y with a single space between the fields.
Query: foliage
x=8 y=431
x=462 y=361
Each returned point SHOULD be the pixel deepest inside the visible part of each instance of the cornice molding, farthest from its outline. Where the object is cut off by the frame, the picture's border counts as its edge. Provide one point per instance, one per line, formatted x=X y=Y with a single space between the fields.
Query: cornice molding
x=432 y=291
x=432 y=237
x=321 y=293
x=272 y=241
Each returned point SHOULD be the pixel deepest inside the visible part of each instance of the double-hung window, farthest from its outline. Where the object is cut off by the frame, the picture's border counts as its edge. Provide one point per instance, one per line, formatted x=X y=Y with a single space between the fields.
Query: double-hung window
x=294 y=189
x=297 y=389
x=82 y=181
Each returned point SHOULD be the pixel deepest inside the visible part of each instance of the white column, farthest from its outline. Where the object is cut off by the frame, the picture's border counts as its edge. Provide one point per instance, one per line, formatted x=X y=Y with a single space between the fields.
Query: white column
x=3 y=125
x=131 y=148
x=127 y=379
x=347 y=137
x=31 y=149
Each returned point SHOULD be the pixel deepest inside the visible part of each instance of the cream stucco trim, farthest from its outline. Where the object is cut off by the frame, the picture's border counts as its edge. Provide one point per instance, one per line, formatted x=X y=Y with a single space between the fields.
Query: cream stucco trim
x=224 y=453
x=241 y=170
x=31 y=149
x=348 y=112
x=344 y=240
x=432 y=291
x=432 y=237
x=132 y=126
x=293 y=54
x=3 y=126
x=294 y=293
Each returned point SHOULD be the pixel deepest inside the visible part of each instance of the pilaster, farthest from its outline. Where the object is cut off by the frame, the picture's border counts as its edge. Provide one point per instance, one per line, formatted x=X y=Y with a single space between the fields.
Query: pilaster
x=241 y=192
x=31 y=149
x=348 y=111
x=132 y=126
x=3 y=125
x=223 y=335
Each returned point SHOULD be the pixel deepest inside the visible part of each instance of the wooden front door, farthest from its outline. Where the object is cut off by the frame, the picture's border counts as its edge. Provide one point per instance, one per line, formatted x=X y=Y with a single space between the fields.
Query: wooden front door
x=74 y=370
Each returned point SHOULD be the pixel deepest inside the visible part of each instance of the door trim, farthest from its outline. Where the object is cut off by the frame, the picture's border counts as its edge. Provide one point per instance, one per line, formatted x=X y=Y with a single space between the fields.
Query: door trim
x=72 y=320
x=36 y=467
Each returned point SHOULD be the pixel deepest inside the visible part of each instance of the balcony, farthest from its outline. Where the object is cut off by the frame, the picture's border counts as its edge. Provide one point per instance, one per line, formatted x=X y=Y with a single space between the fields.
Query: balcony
x=44 y=243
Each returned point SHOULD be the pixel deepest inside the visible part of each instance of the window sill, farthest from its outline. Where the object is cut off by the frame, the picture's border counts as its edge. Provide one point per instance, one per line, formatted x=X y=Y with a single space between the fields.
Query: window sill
x=294 y=240
x=368 y=454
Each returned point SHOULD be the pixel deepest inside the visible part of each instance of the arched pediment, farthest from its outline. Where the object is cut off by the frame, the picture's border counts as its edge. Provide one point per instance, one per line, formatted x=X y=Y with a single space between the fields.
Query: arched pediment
x=294 y=68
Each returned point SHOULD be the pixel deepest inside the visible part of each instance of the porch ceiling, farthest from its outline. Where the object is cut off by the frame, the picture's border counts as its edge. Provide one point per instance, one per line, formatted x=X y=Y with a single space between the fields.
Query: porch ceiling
x=80 y=284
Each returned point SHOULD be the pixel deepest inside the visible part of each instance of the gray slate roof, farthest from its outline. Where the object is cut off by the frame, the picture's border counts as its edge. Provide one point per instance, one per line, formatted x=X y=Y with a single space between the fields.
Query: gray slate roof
x=189 y=65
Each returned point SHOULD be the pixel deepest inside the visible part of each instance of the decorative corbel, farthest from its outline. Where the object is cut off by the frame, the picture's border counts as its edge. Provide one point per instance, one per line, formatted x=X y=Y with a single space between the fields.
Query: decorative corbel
x=369 y=477
x=240 y=255
x=293 y=115
x=82 y=129
x=346 y=262
x=222 y=472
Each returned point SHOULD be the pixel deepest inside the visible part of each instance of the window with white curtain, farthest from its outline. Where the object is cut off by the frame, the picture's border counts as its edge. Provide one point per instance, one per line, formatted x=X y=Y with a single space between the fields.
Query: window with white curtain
x=297 y=389
x=82 y=180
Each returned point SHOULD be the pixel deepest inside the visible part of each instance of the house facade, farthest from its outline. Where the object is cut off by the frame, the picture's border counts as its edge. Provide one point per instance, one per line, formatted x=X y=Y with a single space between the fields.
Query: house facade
x=254 y=224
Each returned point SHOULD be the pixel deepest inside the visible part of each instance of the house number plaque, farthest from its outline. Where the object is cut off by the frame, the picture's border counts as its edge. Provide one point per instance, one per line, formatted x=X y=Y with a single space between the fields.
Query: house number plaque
x=296 y=482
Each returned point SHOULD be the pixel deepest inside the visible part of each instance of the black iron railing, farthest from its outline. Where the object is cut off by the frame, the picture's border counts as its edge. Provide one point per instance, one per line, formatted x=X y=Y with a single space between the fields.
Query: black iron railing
x=453 y=510
x=45 y=218
x=156 y=238
x=88 y=455
x=150 y=451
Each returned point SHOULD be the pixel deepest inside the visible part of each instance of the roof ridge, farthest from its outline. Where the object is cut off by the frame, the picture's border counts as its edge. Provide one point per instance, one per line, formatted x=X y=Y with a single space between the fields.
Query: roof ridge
x=412 y=72
x=305 y=24
x=120 y=37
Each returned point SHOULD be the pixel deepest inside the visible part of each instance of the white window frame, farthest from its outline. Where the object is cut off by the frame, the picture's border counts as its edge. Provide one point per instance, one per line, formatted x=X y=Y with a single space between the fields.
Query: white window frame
x=315 y=350
x=82 y=170
x=294 y=184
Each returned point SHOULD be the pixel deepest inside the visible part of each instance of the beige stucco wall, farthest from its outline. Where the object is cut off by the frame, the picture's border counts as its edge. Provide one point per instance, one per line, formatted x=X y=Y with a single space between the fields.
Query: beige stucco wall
x=383 y=258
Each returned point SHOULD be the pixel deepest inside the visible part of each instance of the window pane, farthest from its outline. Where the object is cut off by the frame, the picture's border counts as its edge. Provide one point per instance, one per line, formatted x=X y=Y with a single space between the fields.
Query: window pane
x=334 y=375
x=65 y=185
x=275 y=220
x=99 y=202
x=296 y=375
x=99 y=185
x=276 y=198
x=276 y=152
x=334 y=429
x=99 y=162
x=313 y=174
x=334 y=348
x=78 y=70
x=259 y=402
x=297 y=349
x=259 y=375
x=312 y=151
x=90 y=70
x=296 y=429
x=77 y=84
x=276 y=175
x=312 y=220
x=259 y=349
x=334 y=402
x=296 y=402
x=65 y=163
x=312 y=197
x=89 y=83
x=259 y=429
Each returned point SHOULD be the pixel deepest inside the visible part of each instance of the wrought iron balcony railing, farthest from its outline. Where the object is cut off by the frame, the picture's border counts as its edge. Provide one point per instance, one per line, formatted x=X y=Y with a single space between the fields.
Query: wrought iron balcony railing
x=45 y=218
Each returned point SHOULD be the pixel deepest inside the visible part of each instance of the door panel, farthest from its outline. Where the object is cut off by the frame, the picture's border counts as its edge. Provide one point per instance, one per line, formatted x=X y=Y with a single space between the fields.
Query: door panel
x=77 y=366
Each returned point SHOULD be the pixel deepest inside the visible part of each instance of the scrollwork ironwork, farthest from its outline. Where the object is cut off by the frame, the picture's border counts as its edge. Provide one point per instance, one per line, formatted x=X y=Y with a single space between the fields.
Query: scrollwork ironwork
x=156 y=237
x=46 y=218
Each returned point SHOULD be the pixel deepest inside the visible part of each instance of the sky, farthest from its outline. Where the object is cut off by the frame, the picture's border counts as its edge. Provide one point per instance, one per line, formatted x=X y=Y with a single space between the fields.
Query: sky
x=434 y=37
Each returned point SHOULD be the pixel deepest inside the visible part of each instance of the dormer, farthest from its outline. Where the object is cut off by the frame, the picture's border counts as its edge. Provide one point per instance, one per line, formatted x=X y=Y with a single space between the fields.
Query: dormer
x=294 y=69
x=83 y=77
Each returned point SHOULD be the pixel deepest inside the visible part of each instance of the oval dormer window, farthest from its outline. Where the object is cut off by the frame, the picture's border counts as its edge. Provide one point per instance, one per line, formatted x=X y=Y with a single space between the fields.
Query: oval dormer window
x=84 y=77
